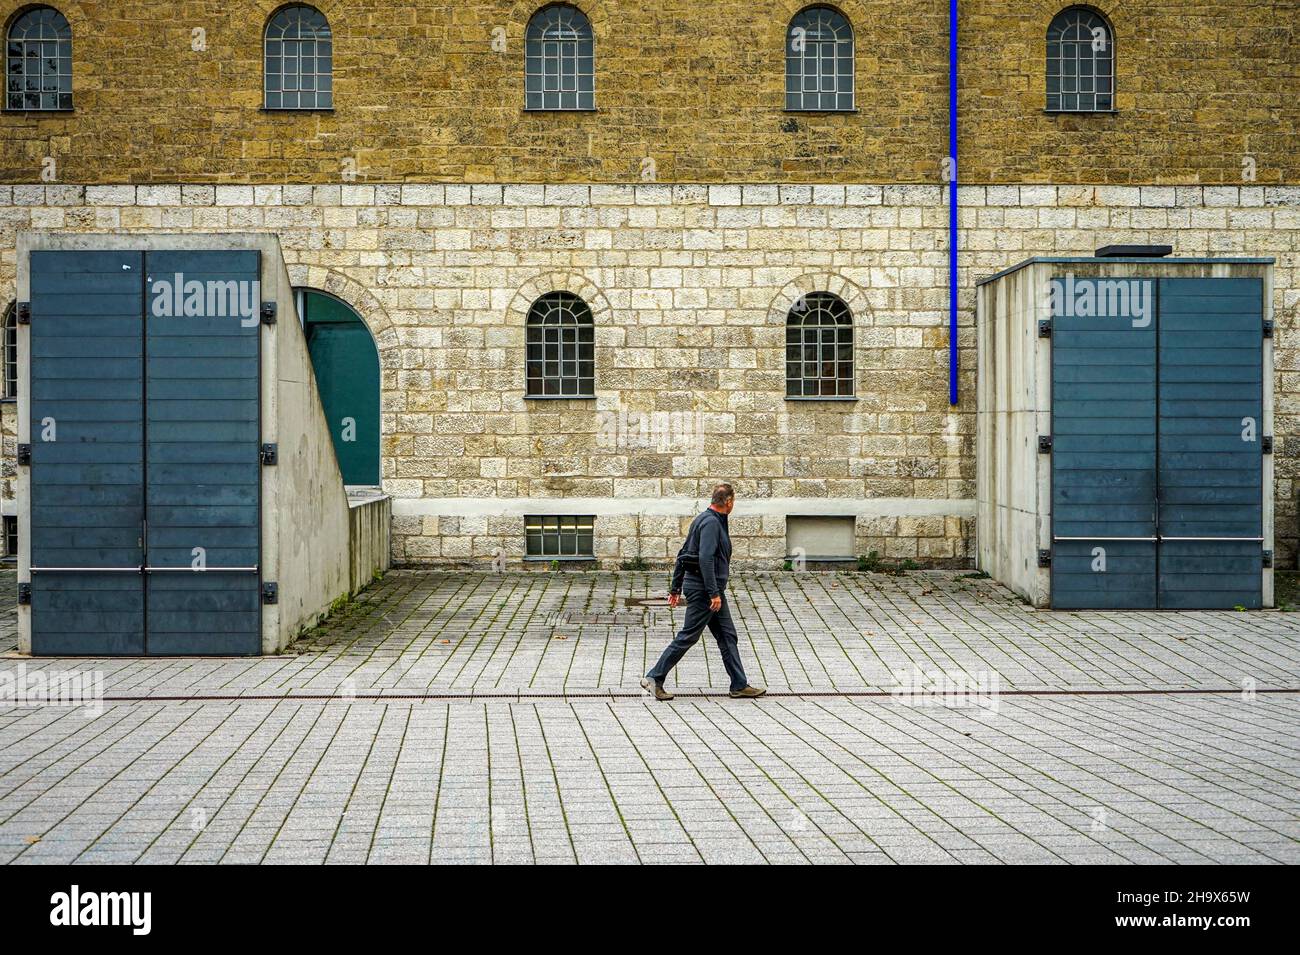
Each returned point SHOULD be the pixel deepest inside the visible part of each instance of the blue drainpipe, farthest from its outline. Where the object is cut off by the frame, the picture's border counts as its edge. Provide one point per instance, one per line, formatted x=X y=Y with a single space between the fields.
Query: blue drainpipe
x=952 y=202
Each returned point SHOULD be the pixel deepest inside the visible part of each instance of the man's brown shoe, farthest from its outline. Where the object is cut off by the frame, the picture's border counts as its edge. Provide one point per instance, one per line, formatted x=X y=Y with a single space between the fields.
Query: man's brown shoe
x=748 y=693
x=656 y=688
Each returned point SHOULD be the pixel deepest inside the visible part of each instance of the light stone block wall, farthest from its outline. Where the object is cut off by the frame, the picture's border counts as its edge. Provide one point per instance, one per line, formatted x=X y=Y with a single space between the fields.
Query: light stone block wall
x=689 y=286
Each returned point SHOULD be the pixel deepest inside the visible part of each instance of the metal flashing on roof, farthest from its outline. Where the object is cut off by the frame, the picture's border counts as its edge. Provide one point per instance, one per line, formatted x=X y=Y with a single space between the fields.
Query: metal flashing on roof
x=1085 y=259
x=1135 y=251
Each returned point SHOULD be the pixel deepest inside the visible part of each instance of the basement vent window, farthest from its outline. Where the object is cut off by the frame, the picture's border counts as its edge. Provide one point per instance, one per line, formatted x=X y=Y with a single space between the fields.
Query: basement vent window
x=819 y=538
x=559 y=537
x=11 y=537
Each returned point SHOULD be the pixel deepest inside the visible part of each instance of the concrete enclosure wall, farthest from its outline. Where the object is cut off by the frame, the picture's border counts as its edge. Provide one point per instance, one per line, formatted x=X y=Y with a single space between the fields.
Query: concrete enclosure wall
x=1012 y=409
x=307 y=505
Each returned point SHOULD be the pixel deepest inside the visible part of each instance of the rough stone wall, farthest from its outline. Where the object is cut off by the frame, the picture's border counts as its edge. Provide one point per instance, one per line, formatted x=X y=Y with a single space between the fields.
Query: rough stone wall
x=689 y=285
x=697 y=88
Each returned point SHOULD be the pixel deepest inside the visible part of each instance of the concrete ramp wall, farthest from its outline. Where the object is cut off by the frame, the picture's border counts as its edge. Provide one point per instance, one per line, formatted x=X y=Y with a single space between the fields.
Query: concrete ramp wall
x=370 y=521
x=305 y=510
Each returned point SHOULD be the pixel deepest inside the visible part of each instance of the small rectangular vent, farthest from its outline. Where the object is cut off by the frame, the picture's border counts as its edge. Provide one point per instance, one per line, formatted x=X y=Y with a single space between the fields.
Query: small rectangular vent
x=1134 y=251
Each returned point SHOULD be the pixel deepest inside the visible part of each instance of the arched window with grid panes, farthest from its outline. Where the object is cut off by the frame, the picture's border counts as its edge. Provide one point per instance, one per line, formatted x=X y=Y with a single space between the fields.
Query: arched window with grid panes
x=819 y=348
x=819 y=61
x=38 y=61
x=299 y=60
x=559 y=60
x=10 y=353
x=561 y=348
x=1080 y=63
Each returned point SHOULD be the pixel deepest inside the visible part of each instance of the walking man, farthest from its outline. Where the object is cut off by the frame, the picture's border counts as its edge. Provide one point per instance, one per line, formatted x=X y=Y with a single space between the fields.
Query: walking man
x=701 y=574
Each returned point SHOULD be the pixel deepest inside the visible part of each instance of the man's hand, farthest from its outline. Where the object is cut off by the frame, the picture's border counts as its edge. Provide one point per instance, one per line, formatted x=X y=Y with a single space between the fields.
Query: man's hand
x=715 y=604
x=674 y=599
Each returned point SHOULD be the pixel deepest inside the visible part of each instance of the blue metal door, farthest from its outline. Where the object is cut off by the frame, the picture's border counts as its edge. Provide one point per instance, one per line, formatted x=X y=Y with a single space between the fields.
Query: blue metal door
x=145 y=475
x=1157 y=418
x=1211 y=468
x=201 y=439
x=1103 y=451
x=87 y=459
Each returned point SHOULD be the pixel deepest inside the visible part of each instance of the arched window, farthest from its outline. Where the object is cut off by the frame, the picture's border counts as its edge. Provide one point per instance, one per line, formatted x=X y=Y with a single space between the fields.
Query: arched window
x=299 y=62
x=38 y=61
x=819 y=348
x=561 y=342
x=819 y=61
x=559 y=60
x=10 y=353
x=1080 y=63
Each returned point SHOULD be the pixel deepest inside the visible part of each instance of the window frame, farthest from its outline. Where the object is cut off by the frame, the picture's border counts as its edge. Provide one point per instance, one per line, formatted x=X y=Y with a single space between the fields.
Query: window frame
x=1078 y=10
x=559 y=302
x=575 y=528
x=821 y=10
x=797 y=321
x=58 y=40
x=9 y=384
x=577 y=56
x=316 y=40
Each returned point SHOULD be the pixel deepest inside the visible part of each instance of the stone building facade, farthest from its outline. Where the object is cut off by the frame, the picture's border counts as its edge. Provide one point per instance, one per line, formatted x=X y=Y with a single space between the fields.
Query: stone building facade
x=691 y=213
x=432 y=90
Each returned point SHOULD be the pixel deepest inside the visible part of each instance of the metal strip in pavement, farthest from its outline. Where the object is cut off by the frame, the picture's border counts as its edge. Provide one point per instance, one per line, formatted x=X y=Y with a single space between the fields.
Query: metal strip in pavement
x=684 y=694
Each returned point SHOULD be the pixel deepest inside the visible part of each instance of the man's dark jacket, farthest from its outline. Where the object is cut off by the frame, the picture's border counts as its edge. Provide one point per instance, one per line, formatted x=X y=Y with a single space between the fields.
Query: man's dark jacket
x=708 y=537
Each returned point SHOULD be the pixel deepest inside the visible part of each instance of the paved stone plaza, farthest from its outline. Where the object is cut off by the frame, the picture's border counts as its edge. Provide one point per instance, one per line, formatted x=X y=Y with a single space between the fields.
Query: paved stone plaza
x=469 y=717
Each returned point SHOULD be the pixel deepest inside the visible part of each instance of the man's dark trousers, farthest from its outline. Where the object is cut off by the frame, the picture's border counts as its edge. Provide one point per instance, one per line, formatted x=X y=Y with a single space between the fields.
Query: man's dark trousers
x=698 y=616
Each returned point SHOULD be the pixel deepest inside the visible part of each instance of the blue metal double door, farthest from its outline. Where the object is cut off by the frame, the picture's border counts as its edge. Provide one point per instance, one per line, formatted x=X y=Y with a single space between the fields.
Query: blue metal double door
x=1157 y=444
x=145 y=473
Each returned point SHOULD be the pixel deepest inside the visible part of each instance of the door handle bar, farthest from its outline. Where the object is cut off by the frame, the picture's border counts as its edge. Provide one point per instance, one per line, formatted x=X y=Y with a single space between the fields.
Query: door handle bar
x=86 y=570
x=1248 y=540
x=137 y=570
x=194 y=570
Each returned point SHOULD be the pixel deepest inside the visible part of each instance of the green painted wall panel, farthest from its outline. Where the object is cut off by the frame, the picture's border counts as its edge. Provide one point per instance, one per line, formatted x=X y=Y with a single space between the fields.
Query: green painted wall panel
x=346 y=364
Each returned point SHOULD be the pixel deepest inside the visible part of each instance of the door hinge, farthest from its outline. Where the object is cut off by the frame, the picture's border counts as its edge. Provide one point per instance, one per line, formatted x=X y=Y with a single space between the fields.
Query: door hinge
x=1268 y=558
x=270 y=592
x=1266 y=444
x=268 y=313
x=1268 y=328
x=23 y=313
x=1045 y=328
x=1044 y=558
x=270 y=455
x=25 y=593
x=1044 y=444
x=24 y=454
